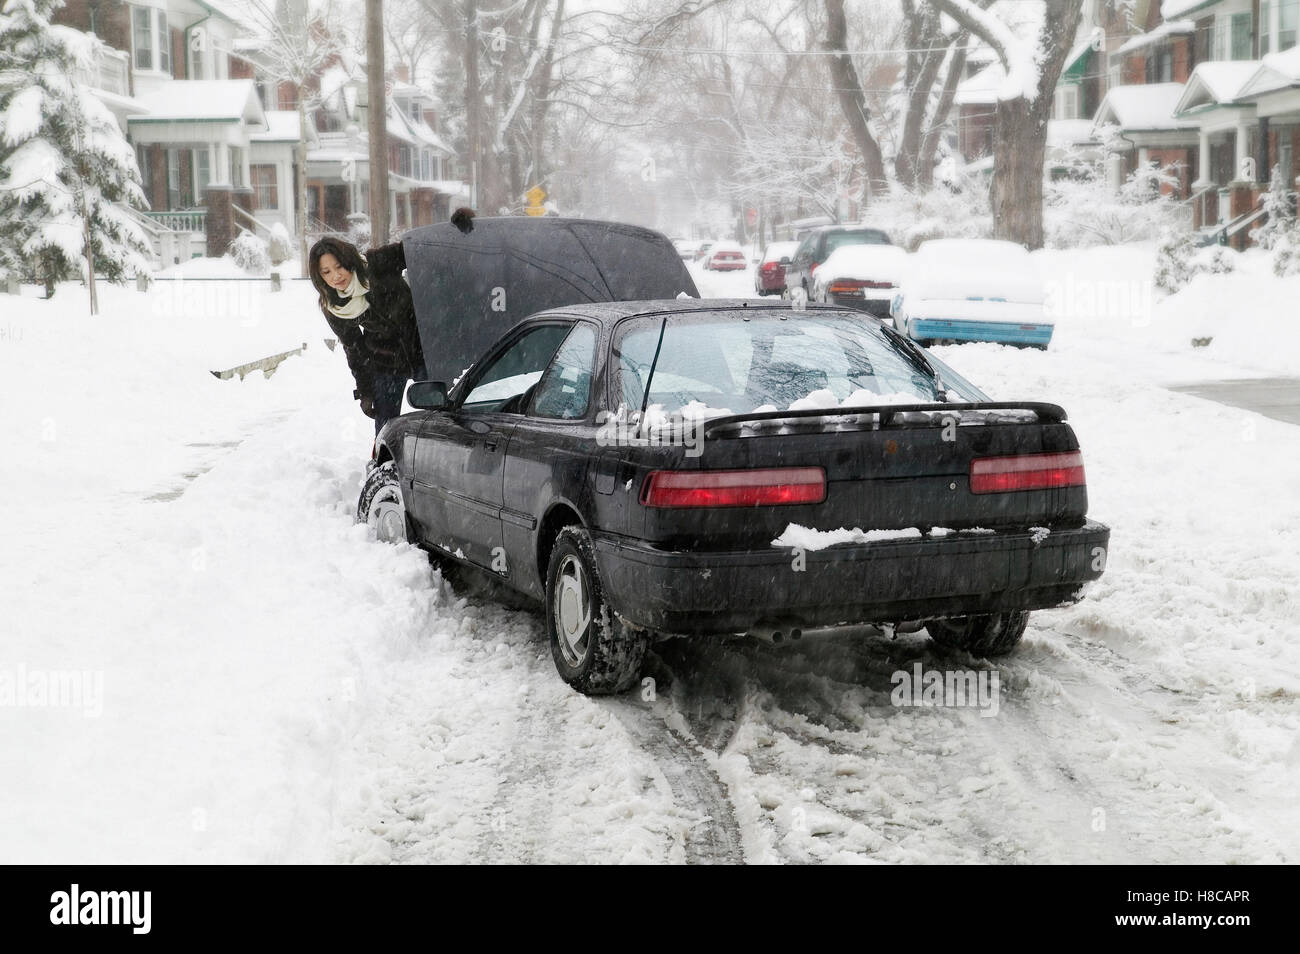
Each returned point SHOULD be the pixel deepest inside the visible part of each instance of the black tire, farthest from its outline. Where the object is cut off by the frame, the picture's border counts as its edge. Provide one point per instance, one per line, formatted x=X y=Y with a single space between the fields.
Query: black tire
x=381 y=506
x=994 y=635
x=598 y=654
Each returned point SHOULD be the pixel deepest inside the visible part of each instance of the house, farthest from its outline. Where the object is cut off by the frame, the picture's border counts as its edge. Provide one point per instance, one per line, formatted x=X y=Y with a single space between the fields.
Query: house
x=215 y=138
x=1212 y=89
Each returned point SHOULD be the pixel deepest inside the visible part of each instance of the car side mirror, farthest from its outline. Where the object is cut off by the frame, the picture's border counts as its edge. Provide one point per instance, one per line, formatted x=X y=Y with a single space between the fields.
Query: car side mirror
x=427 y=395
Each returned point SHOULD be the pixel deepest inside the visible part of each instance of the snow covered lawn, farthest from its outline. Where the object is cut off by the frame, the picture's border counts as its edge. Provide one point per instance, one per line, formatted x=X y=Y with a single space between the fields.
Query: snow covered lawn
x=276 y=686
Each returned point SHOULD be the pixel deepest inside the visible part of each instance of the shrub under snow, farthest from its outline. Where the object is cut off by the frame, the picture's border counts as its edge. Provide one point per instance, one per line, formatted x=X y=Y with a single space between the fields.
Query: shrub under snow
x=251 y=253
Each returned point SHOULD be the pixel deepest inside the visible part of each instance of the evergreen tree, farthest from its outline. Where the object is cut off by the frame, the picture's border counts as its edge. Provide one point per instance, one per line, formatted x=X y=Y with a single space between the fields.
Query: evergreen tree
x=1281 y=214
x=66 y=170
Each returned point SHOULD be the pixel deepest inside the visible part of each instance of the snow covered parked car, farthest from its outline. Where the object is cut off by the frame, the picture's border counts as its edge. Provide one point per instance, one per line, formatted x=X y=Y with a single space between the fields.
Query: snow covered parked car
x=645 y=468
x=972 y=290
x=861 y=276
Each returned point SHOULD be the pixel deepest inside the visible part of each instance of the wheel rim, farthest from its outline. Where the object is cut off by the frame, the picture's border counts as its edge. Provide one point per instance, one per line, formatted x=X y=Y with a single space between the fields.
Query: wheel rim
x=572 y=611
x=388 y=516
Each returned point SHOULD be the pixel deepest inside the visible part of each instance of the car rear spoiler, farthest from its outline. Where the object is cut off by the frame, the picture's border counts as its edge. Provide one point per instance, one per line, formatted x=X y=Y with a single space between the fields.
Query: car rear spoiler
x=1043 y=413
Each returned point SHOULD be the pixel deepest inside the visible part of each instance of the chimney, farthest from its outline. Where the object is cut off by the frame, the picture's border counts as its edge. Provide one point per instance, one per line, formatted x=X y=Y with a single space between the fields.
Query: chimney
x=403 y=73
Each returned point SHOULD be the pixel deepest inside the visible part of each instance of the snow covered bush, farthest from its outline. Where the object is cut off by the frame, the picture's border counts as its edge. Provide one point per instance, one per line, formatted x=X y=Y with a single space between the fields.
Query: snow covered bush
x=1174 y=260
x=1279 y=203
x=359 y=230
x=1081 y=209
x=957 y=209
x=1214 y=260
x=1286 y=253
x=280 y=246
x=251 y=253
x=66 y=170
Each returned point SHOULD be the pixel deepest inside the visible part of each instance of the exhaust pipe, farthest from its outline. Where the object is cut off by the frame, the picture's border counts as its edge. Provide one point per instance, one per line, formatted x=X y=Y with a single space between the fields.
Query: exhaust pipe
x=776 y=632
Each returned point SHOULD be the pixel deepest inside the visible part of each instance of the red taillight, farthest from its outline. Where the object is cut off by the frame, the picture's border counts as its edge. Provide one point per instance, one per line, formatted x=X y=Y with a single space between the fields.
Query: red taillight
x=734 y=488
x=997 y=475
x=770 y=266
x=851 y=286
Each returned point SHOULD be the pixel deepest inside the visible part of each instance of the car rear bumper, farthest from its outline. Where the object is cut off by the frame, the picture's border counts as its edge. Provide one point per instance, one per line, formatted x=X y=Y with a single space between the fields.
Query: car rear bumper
x=886 y=581
x=957 y=329
x=872 y=306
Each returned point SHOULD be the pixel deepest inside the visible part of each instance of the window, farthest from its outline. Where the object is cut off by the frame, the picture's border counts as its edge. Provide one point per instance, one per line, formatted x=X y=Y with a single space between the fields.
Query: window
x=1160 y=65
x=265 y=195
x=197 y=41
x=565 y=389
x=504 y=384
x=142 y=37
x=1067 y=102
x=173 y=178
x=1241 y=49
x=202 y=171
x=164 y=44
x=738 y=367
x=1288 y=15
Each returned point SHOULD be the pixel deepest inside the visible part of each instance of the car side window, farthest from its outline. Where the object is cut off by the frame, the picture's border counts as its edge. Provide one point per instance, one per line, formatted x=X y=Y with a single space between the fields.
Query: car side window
x=564 y=391
x=507 y=382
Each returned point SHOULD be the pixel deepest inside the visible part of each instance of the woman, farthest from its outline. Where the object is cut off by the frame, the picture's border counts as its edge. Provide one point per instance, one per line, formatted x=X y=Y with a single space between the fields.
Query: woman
x=368 y=305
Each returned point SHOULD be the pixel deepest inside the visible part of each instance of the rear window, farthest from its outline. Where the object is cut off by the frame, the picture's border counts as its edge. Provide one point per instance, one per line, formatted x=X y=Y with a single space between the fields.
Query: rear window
x=836 y=240
x=764 y=361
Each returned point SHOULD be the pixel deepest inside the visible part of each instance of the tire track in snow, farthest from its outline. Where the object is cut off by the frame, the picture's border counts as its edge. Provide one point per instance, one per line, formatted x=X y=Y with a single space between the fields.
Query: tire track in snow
x=715 y=837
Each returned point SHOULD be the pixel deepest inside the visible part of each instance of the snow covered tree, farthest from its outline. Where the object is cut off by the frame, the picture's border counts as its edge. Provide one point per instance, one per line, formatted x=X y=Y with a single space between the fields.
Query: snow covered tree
x=295 y=44
x=1281 y=212
x=66 y=170
x=1033 y=64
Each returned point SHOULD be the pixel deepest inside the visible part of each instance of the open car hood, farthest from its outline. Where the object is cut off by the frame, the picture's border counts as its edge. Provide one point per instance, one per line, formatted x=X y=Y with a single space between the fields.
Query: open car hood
x=471 y=288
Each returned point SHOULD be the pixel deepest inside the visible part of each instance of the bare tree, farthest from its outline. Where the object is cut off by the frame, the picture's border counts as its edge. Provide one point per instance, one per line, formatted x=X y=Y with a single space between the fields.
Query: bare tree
x=296 y=43
x=1033 y=67
x=853 y=103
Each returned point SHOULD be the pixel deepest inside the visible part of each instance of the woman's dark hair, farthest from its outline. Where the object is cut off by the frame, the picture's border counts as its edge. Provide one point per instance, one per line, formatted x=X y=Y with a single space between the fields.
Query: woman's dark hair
x=348 y=257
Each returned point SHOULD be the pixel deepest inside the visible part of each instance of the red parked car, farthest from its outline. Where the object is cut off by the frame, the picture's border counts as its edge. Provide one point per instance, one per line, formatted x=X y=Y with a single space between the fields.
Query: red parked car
x=769 y=277
x=725 y=258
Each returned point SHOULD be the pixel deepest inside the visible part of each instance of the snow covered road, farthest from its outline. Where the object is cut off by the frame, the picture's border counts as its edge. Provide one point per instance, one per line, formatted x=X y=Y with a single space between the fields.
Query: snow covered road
x=277 y=686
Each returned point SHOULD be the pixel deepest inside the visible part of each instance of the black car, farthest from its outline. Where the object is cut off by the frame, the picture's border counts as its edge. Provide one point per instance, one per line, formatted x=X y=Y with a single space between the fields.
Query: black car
x=687 y=466
x=817 y=247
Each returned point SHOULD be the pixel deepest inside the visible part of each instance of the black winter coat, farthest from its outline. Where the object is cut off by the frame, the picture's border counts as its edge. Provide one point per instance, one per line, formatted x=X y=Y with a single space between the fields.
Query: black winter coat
x=384 y=339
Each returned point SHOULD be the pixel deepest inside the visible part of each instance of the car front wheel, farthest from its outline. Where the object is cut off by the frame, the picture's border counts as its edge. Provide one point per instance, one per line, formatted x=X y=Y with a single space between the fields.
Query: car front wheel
x=381 y=507
x=595 y=652
x=993 y=635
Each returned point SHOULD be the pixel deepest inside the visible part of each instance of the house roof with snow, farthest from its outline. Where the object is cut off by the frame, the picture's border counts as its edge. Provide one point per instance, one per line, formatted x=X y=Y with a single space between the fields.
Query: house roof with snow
x=1070 y=132
x=281 y=126
x=1276 y=71
x=982 y=88
x=1167 y=29
x=203 y=101
x=1215 y=84
x=1146 y=108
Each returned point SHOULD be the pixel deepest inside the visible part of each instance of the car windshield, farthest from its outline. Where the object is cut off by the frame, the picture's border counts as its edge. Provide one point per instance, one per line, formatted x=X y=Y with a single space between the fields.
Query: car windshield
x=734 y=363
x=836 y=240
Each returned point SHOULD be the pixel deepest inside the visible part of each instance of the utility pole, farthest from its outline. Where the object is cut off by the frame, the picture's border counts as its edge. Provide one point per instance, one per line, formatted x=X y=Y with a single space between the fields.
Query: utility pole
x=472 y=120
x=377 y=122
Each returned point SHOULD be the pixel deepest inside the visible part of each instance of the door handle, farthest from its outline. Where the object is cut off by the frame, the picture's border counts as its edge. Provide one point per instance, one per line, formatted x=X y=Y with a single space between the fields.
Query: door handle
x=490 y=443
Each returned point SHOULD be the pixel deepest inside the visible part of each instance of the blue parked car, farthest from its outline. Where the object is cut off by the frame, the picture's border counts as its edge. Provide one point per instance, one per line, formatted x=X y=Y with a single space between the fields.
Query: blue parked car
x=958 y=290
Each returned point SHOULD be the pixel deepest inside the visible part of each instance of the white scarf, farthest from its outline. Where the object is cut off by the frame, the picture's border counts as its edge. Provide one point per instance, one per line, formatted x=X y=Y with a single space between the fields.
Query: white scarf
x=354 y=300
